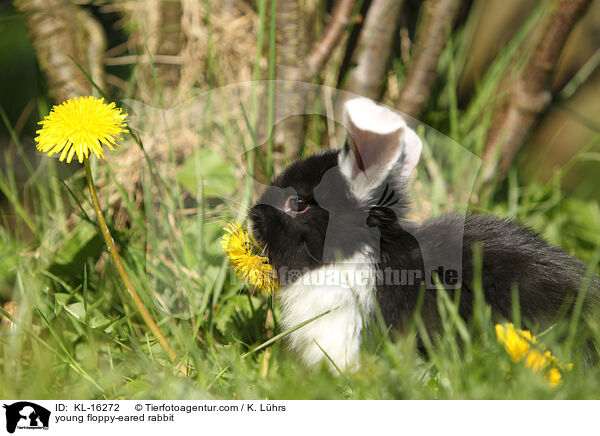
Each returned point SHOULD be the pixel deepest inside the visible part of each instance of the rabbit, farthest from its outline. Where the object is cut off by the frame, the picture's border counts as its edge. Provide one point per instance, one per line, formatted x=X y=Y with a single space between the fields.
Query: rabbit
x=333 y=226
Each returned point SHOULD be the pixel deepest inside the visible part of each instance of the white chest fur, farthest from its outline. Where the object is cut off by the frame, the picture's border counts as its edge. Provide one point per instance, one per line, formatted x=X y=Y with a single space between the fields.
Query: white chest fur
x=344 y=289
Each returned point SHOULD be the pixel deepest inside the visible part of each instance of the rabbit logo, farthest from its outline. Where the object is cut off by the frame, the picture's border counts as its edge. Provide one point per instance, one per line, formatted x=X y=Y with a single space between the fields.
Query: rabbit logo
x=26 y=415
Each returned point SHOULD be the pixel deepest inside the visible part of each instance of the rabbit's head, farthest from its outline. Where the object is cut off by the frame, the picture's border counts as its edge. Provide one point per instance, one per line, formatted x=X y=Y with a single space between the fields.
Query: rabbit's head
x=333 y=204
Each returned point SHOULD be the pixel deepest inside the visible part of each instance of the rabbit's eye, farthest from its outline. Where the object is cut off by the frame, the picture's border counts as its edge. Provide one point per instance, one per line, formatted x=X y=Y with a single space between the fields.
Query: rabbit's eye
x=296 y=204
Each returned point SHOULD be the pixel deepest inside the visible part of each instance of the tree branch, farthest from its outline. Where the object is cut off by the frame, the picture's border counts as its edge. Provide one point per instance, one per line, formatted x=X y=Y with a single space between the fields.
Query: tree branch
x=439 y=16
x=374 y=48
x=289 y=39
x=530 y=94
x=289 y=48
x=292 y=66
x=56 y=35
x=319 y=55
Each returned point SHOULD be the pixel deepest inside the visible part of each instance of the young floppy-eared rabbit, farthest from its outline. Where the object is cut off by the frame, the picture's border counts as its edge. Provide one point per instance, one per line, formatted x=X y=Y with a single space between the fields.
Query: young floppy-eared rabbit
x=333 y=226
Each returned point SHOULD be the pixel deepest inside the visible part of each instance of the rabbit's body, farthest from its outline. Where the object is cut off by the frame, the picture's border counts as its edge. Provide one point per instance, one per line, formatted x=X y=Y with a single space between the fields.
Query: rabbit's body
x=511 y=255
x=332 y=225
x=343 y=294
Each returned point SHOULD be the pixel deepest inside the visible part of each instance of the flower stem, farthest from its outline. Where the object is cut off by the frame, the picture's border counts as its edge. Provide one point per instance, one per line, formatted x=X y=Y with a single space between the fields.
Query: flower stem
x=139 y=304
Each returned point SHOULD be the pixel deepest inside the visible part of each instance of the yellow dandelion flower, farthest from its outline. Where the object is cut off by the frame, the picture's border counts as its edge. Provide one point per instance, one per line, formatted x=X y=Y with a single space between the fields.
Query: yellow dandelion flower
x=516 y=342
x=253 y=268
x=235 y=242
x=554 y=377
x=256 y=271
x=79 y=125
x=536 y=360
x=519 y=344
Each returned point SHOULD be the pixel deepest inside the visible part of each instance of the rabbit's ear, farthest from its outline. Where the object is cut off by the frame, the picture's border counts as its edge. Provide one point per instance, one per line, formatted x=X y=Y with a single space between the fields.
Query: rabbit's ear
x=379 y=144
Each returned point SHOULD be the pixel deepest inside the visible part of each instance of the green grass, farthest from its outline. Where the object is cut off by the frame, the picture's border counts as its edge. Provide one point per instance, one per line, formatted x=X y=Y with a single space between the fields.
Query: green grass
x=77 y=335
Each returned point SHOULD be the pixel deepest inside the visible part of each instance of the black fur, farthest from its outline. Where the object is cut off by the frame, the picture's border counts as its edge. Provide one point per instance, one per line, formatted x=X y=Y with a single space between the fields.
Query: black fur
x=545 y=276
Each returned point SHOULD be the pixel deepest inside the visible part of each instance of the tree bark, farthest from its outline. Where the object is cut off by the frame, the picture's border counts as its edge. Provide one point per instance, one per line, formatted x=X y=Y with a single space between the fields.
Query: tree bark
x=374 y=48
x=319 y=55
x=530 y=94
x=439 y=16
x=294 y=66
x=56 y=34
x=289 y=48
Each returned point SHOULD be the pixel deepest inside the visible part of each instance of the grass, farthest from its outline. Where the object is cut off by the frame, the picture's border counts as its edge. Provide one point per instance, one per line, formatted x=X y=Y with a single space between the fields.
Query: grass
x=76 y=334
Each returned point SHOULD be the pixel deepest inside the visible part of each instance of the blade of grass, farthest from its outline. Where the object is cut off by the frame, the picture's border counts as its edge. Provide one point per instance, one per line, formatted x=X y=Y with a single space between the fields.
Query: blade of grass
x=19 y=209
x=285 y=333
x=17 y=141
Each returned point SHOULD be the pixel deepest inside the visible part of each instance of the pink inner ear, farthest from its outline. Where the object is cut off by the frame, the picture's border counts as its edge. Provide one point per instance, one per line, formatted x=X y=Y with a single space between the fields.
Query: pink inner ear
x=359 y=165
x=374 y=136
x=373 y=151
x=380 y=142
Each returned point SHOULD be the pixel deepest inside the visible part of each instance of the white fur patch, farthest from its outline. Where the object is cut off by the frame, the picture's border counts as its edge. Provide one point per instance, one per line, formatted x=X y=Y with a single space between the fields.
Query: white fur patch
x=360 y=185
x=344 y=288
x=365 y=114
x=411 y=149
